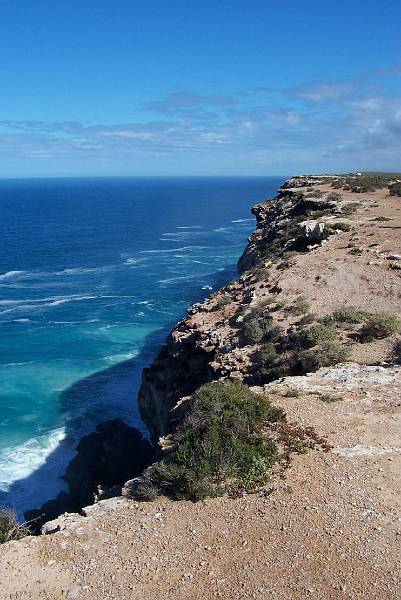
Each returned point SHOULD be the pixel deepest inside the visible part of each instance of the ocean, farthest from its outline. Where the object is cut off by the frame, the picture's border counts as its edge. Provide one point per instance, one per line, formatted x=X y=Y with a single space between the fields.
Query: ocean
x=93 y=274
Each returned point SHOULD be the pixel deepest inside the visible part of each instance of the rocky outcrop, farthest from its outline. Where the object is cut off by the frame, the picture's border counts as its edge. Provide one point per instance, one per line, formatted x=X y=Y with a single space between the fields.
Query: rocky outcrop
x=207 y=345
x=105 y=459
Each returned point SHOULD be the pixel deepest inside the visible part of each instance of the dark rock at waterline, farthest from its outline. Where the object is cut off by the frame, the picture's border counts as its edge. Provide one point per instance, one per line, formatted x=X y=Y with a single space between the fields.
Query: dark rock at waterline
x=108 y=457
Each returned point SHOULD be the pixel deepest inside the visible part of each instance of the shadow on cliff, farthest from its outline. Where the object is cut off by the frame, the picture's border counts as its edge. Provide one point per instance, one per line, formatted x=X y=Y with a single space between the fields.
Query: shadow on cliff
x=107 y=394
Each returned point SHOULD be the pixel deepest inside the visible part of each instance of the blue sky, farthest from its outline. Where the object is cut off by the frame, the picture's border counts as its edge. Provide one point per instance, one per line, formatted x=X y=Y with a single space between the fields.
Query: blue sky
x=199 y=88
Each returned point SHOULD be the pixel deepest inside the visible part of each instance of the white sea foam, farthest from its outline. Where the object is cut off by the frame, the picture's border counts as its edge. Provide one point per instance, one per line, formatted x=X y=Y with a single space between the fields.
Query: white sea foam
x=184 y=248
x=134 y=261
x=190 y=227
x=18 y=462
x=10 y=275
x=38 y=304
x=183 y=277
x=241 y=220
x=19 y=276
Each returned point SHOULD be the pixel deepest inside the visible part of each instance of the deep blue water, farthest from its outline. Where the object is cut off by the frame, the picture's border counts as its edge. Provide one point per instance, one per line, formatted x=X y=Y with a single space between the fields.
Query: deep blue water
x=93 y=272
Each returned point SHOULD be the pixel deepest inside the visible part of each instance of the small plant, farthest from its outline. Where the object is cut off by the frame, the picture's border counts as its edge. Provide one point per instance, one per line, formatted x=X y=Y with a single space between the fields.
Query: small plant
x=252 y=331
x=329 y=398
x=349 y=314
x=267 y=355
x=307 y=319
x=396 y=351
x=317 y=334
x=340 y=226
x=223 y=300
x=380 y=219
x=316 y=194
x=350 y=208
x=327 y=354
x=333 y=196
x=259 y=328
x=10 y=528
x=379 y=326
x=300 y=446
x=300 y=306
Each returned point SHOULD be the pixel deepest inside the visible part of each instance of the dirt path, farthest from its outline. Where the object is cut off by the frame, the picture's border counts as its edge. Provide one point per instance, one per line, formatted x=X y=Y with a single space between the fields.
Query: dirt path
x=330 y=529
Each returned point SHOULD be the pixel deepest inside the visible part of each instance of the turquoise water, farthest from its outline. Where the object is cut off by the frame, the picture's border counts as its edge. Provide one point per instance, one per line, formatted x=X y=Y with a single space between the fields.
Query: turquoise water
x=93 y=273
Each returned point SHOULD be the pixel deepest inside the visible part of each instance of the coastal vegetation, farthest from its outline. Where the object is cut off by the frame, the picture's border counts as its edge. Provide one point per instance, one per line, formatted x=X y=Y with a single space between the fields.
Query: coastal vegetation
x=367 y=182
x=310 y=343
x=224 y=444
x=10 y=528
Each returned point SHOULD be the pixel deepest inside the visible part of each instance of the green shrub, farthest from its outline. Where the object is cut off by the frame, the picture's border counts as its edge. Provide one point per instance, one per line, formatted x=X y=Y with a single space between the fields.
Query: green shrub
x=341 y=226
x=380 y=326
x=380 y=219
x=326 y=354
x=349 y=314
x=317 y=334
x=395 y=189
x=10 y=528
x=333 y=196
x=267 y=355
x=307 y=319
x=329 y=398
x=252 y=331
x=221 y=443
x=223 y=300
x=350 y=208
x=258 y=326
x=300 y=306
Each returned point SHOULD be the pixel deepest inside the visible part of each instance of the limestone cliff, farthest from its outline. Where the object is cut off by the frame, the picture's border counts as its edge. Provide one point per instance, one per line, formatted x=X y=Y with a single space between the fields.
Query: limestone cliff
x=306 y=243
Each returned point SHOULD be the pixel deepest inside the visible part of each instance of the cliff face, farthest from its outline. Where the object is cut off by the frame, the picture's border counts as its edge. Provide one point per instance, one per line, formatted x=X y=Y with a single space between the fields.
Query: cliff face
x=335 y=513
x=305 y=244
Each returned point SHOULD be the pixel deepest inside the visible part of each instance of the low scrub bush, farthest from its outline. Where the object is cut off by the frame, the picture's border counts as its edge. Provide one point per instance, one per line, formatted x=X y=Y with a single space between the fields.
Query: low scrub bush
x=395 y=189
x=350 y=208
x=380 y=325
x=307 y=319
x=10 y=528
x=221 y=444
x=341 y=226
x=334 y=196
x=317 y=334
x=349 y=314
x=258 y=325
x=381 y=219
x=300 y=306
x=258 y=328
x=223 y=301
x=326 y=354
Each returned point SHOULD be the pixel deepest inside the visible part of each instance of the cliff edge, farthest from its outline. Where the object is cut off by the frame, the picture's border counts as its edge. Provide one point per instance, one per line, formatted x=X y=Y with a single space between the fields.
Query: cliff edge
x=312 y=323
